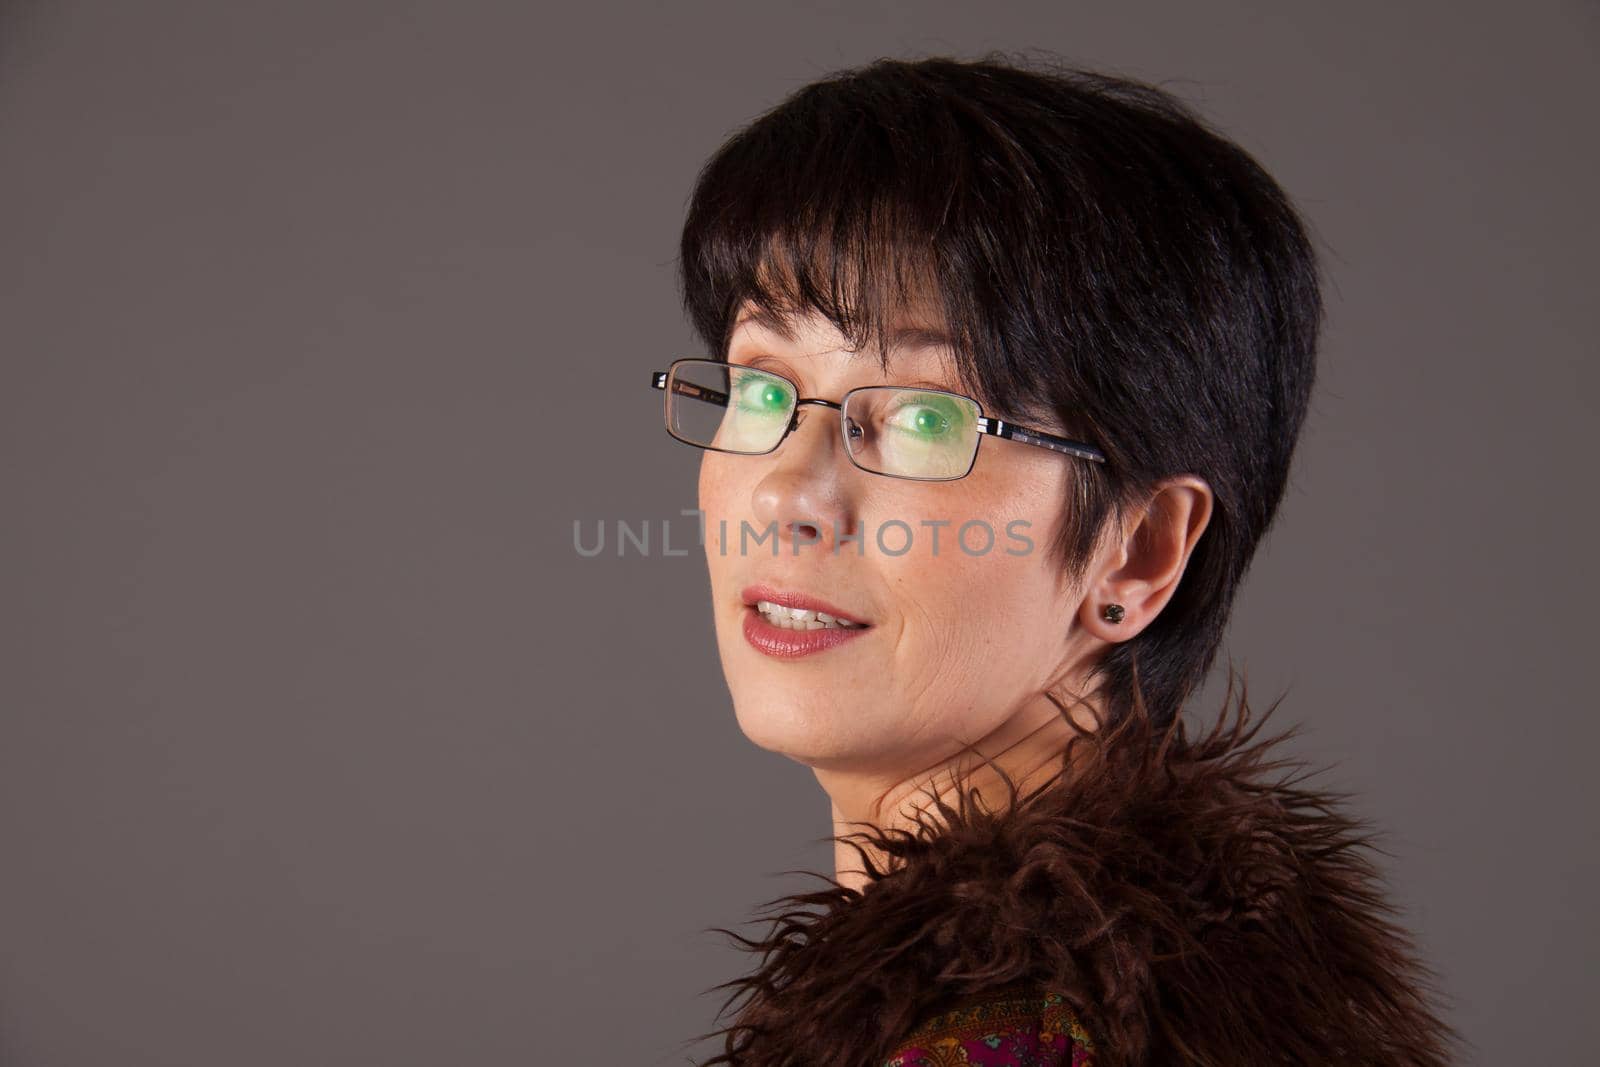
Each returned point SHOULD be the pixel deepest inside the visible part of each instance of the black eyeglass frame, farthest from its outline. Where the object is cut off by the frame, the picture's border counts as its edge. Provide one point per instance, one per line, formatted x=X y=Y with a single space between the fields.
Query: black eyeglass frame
x=987 y=426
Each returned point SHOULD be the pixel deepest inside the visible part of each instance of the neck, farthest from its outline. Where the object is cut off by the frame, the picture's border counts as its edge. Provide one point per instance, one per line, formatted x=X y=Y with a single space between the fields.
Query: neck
x=1028 y=746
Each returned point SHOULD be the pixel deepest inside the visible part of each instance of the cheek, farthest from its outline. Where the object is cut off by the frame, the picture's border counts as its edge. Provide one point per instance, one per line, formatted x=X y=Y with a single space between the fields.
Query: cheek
x=975 y=615
x=710 y=487
x=713 y=494
x=727 y=489
x=721 y=489
x=980 y=611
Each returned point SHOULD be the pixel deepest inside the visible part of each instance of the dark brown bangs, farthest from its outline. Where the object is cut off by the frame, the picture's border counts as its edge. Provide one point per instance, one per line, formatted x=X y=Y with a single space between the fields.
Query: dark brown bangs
x=856 y=260
x=830 y=210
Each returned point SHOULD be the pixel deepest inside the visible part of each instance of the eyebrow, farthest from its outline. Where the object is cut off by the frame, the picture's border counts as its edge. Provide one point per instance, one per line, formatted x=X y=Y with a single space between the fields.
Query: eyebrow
x=901 y=338
x=759 y=361
x=767 y=320
x=914 y=337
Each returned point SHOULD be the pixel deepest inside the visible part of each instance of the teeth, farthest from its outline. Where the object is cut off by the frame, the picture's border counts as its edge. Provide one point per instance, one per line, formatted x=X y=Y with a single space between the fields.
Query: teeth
x=786 y=618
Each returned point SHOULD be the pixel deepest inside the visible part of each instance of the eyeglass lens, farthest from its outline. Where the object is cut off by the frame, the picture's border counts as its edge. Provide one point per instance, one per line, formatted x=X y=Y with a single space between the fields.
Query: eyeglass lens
x=908 y=433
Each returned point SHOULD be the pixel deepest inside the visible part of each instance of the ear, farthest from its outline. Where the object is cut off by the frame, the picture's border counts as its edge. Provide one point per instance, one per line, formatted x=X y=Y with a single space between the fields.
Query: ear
x=1143 y=566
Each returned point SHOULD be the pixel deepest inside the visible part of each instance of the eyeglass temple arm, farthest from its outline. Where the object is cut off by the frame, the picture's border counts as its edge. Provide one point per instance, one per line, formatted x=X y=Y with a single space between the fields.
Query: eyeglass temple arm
x=1012 y=432
x=658 y=380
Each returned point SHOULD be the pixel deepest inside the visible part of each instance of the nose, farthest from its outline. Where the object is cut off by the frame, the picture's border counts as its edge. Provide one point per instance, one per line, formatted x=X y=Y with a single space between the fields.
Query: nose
x=805 y=495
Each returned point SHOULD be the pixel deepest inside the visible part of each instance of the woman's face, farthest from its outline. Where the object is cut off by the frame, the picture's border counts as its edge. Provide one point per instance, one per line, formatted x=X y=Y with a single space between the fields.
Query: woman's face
x=958 y=642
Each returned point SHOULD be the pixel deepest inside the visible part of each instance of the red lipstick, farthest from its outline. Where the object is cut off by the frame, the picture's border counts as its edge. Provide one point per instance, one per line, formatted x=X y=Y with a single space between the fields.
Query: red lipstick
x=784 y=643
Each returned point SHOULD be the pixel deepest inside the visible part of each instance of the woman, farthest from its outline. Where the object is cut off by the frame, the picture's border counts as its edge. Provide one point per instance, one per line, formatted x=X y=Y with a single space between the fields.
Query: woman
x=1009 y=367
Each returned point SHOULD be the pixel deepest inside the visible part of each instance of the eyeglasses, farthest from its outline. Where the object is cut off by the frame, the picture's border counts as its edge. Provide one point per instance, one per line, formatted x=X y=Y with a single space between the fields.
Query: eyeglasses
x=926 y=435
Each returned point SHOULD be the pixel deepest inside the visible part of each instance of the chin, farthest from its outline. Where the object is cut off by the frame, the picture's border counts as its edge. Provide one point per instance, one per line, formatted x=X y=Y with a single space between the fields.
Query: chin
x=778 y=725
x=821 y=734
x=805 y=732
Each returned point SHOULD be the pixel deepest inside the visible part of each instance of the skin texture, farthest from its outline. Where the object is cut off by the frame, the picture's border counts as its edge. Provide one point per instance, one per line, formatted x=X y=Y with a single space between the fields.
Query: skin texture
x=963 y=647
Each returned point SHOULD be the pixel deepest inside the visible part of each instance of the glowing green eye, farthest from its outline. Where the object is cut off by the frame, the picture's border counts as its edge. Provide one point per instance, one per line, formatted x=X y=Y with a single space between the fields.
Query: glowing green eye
x=763 y=396
x=928 y=417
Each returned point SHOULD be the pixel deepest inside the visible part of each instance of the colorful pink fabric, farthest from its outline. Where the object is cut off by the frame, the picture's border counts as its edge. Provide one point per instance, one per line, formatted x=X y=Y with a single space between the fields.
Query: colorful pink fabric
x=1012 y=1030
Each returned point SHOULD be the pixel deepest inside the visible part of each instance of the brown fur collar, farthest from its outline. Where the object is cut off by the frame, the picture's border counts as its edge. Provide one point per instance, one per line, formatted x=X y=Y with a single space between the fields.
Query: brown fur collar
x=1194 y=905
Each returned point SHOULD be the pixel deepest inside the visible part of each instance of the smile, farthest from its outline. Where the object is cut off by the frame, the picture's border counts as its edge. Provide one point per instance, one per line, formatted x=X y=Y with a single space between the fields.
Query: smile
x=801 y=618
x=783 y=636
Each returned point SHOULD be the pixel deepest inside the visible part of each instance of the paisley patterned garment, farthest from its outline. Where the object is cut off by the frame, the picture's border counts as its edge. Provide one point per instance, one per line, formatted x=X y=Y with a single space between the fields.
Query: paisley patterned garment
x=1018 y=1029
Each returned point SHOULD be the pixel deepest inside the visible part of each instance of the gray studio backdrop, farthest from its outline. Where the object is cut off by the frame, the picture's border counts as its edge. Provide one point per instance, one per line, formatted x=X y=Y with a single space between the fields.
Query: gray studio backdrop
x=320 y=744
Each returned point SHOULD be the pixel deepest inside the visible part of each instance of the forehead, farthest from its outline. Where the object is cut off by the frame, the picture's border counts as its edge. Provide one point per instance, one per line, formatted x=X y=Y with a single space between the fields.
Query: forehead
x=911 y=336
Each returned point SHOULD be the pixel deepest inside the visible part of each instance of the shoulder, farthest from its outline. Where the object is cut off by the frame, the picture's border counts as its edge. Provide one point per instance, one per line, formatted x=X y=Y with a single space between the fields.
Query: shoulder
x=1189 y=898
x=1008 y=1028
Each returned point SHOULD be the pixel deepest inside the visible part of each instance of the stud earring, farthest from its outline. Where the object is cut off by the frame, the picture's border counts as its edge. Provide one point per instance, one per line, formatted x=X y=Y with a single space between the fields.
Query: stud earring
x=1113 y=613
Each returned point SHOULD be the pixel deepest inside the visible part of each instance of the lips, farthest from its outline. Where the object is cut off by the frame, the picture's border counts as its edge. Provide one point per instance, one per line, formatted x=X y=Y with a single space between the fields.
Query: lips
x=793 y=638
x=756 y=594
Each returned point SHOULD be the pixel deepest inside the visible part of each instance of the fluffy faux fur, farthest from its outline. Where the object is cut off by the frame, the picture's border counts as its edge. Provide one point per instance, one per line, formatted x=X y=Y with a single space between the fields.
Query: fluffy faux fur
x=1191 y=898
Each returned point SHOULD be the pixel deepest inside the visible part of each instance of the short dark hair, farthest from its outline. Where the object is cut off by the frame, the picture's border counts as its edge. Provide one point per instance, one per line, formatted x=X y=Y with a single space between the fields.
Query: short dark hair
x=1102 y=258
